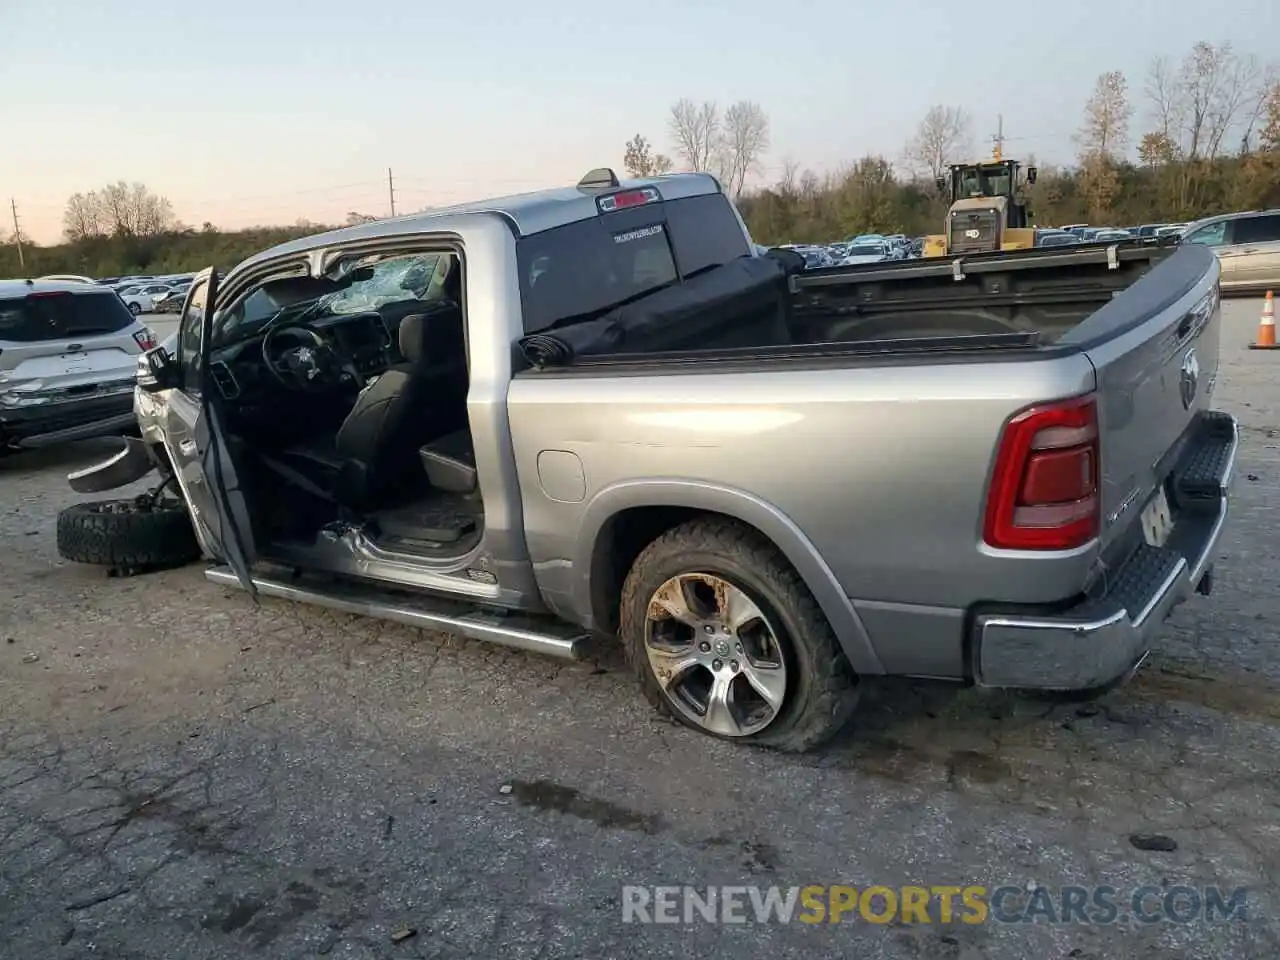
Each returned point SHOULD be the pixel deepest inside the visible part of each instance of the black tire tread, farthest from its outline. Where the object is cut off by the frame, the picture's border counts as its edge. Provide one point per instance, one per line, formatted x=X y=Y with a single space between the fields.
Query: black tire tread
x=132 y=540
x=832 y=692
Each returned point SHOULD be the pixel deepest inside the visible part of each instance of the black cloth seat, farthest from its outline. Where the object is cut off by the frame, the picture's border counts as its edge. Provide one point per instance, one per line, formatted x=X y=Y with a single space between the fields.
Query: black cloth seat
x=374 y=454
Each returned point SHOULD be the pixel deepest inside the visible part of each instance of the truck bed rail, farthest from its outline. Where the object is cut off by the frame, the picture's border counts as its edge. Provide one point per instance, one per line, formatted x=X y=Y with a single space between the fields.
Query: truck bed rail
x=1109 y=255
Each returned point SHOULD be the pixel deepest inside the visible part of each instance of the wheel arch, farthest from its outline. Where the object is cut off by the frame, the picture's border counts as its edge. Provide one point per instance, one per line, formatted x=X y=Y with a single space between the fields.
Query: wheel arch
x=623 y=519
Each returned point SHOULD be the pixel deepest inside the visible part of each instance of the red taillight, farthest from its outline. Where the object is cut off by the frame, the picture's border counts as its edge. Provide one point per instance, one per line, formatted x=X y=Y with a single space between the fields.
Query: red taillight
x=1044 y=491
x=146 y=339
x=628 y=198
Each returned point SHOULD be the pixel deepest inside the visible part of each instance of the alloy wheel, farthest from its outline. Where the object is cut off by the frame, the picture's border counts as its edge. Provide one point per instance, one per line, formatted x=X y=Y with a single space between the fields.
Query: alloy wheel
x=715 y=654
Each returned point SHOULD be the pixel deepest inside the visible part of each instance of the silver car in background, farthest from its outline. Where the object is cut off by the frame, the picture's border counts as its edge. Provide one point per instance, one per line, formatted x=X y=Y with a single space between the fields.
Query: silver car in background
x=68 y=358
x=1247 y=246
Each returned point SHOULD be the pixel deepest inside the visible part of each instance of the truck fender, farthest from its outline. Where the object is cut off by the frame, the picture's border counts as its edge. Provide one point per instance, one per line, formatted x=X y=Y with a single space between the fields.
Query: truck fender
x=746 y=508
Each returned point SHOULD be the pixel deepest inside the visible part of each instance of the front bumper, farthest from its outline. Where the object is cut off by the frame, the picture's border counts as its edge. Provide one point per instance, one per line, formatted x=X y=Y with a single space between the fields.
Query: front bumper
x=128 y=466
x=1103 y=639
x=44 y=424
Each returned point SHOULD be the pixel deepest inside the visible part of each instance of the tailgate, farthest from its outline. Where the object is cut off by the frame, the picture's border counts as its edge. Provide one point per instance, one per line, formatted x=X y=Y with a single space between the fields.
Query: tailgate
x=1155 y=349
x=61 y=365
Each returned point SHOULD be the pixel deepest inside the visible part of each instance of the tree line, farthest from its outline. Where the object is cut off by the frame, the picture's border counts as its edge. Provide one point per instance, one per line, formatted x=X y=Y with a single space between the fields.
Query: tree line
x=1208 y=142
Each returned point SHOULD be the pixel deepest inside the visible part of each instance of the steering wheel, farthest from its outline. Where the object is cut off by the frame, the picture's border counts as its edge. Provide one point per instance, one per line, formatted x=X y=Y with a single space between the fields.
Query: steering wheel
x=303 y=360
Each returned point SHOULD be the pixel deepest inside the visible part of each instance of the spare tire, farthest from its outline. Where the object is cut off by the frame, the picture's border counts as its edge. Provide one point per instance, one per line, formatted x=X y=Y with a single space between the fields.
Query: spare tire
x=128 y=535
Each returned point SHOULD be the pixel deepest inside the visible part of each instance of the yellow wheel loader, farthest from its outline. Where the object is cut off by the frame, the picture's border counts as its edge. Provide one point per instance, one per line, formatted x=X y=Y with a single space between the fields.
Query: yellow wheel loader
x=986 y=212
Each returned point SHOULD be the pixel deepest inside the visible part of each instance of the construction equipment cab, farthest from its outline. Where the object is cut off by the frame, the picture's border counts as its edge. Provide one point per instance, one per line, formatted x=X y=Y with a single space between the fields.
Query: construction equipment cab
x=986 y=213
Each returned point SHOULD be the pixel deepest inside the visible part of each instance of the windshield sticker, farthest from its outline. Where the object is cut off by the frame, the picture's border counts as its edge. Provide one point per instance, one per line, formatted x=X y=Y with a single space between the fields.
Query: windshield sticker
x=639 y=234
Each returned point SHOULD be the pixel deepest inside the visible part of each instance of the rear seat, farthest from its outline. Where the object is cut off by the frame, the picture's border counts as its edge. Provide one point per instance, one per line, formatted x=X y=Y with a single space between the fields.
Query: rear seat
x=450 y=462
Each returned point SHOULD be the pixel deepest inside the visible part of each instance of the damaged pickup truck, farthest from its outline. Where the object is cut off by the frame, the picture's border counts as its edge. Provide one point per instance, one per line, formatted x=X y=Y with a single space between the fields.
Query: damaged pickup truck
x=598 y=411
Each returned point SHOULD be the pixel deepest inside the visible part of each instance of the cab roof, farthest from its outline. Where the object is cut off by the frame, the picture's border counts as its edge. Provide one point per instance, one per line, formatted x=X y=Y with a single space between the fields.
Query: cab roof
x=526 y=213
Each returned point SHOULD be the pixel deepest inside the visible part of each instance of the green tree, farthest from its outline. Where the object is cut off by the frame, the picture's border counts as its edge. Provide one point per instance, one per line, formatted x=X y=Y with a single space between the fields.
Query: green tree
x=640 y=161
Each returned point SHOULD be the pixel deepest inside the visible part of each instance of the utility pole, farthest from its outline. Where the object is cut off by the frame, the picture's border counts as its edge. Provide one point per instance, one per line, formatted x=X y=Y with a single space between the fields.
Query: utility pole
x=391 y=191
x=17 y=234
x=998 y=153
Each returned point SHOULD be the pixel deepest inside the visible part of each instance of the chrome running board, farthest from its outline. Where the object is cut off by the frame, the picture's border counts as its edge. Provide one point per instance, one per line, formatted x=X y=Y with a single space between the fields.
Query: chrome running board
x=536 y=635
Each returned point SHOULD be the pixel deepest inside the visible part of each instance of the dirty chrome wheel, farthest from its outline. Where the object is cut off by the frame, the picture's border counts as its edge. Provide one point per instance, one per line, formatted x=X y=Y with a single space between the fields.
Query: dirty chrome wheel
x=715 y=655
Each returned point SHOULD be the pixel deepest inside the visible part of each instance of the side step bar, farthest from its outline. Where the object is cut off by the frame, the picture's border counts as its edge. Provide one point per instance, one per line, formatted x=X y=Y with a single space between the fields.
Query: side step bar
x=428 y=613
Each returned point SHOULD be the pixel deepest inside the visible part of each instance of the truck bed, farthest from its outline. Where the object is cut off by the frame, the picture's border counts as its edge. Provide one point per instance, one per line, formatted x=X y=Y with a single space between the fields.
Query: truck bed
x=1032 y=300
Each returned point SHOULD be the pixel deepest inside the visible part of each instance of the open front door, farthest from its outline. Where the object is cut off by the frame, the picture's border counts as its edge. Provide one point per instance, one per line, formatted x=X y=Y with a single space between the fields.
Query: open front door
x=196 y=438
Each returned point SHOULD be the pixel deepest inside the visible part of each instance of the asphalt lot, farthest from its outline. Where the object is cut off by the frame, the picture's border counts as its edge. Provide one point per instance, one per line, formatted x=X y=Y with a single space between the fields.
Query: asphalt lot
x=183 y=775
x=162 y=324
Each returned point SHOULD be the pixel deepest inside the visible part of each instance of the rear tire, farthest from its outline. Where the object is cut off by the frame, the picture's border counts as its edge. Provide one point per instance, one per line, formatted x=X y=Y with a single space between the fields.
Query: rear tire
x=128 y=536
x=135 y=308
x=820 y=687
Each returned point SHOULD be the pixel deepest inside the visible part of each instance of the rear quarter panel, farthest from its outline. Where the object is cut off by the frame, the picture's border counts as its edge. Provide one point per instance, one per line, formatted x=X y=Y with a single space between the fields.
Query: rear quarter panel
x=881 y=471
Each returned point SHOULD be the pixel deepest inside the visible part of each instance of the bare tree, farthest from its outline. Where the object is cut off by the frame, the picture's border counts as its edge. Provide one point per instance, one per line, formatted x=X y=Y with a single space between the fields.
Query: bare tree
x=82 y=217
x=131 y=210
x=787 y=181
x=354 y=218
x=1168 y=104
x=1257 y=103
x=942 y=137
x=810 y=186
x=641 y=161
x=696 y=133
x=1211 y=95
x=744 y=142
x=1269 y=138
x=1104 y=136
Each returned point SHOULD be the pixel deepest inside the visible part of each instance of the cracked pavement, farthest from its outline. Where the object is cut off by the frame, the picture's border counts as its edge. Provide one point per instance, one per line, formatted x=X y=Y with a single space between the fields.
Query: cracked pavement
x=183 y=775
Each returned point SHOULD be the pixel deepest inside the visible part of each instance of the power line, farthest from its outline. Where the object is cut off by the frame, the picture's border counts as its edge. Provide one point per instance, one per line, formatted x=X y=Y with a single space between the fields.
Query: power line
x=17 y=234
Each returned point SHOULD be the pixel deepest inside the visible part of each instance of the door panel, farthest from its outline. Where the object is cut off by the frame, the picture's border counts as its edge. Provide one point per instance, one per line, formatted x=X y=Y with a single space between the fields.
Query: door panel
x=197 y=444
x=181 y=417
x=1232 y=258
x=1258 y=240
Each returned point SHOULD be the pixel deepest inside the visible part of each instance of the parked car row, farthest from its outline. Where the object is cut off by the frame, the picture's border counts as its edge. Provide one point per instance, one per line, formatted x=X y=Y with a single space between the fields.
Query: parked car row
x=1082 y=233
x=141 y=294
x=858 y=249
x=1246 y=243
x=153 y=294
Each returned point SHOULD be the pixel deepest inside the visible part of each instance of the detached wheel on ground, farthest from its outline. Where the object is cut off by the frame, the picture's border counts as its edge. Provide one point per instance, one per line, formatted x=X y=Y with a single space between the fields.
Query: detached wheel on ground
x=725 y=637
x=129 y=536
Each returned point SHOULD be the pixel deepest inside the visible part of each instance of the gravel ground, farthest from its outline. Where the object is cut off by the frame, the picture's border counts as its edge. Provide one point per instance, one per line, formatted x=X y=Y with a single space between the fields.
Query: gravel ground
x=183 y=775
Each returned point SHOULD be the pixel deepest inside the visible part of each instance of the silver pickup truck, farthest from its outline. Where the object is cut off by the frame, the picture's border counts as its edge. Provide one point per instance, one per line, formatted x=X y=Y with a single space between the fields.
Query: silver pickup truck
x=599 y=411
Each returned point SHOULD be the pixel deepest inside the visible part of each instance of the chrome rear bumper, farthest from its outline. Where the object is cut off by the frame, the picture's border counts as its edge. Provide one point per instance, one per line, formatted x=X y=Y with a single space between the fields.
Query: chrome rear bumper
x=1102 y=640
x=128 y=466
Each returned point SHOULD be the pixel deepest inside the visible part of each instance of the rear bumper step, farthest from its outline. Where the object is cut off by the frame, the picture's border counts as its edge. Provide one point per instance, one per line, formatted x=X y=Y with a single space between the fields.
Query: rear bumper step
x=1102 y=640
x=548 y=637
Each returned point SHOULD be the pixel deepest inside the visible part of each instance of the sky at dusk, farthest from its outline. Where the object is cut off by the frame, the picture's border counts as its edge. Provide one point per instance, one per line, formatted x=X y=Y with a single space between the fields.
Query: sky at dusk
x=270 y=111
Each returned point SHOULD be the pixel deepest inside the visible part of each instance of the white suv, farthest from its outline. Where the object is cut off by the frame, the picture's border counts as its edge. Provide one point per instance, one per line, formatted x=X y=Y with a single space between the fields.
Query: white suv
x=68 y=360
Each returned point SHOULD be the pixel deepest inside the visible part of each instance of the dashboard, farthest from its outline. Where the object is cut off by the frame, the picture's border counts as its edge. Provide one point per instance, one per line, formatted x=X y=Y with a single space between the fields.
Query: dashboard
x=262 y=402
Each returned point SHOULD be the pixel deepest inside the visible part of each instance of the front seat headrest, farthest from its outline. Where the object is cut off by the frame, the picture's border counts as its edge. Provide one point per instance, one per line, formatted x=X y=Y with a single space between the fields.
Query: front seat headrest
x=413 y=335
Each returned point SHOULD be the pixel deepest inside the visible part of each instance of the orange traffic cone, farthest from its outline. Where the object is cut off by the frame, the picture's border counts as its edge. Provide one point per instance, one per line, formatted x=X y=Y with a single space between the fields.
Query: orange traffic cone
x=1267 y=325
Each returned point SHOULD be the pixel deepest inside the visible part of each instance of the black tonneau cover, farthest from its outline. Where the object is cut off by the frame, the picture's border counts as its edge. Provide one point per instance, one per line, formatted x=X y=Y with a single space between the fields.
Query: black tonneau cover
x=731 y=304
